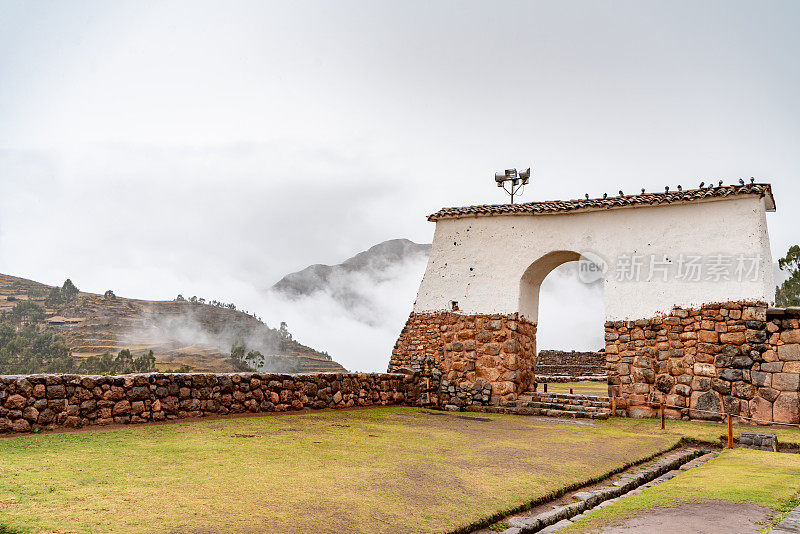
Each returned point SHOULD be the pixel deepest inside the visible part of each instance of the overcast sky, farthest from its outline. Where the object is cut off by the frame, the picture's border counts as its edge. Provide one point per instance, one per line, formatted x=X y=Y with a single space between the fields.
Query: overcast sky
x=210 y=148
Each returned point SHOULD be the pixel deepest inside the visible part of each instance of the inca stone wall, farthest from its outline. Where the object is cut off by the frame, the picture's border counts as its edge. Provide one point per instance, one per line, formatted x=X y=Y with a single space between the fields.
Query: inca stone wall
x=736 y=357
x=49 y=401
x=570 y=363
x=467 y=359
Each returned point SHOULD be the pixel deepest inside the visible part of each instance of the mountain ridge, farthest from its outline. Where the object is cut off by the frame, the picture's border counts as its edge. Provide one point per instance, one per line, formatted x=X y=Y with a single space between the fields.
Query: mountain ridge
x=179 y=333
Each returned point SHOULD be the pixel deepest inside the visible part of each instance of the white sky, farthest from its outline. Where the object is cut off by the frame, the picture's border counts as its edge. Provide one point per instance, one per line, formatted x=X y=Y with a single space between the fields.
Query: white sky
x=210 y=148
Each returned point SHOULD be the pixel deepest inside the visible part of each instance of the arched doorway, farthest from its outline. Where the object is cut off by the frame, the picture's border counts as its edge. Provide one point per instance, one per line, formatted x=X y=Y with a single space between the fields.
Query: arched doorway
x=531 y=282
x=570 y=315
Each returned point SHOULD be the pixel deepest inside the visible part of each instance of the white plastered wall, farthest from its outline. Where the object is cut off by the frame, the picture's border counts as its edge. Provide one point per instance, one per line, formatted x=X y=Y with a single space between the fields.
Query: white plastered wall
x=481 y=262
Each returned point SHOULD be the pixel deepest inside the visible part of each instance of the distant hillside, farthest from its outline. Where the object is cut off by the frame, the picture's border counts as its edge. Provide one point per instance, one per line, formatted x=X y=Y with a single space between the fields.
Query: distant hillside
x=179 y=333
x=353 y=282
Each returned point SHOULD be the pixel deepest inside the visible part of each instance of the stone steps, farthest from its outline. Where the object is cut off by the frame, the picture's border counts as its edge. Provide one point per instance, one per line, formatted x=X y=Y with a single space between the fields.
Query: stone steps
x=566 y=398
x=559 y=406
x=555 y=405
x=541 y=412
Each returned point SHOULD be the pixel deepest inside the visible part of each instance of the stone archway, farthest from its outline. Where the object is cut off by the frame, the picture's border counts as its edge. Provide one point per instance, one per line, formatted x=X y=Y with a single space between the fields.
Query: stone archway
x=471 y=337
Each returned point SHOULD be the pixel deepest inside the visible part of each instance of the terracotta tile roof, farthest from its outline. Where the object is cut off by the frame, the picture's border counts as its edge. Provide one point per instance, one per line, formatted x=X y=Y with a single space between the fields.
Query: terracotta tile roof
x=593 y=204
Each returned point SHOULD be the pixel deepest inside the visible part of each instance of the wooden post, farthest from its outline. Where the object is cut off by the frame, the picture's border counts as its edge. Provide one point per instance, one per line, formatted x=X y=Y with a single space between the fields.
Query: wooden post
x=730 y=431
x=570 y=391
x=661 y=411
x=613 y=405
x=545 y=387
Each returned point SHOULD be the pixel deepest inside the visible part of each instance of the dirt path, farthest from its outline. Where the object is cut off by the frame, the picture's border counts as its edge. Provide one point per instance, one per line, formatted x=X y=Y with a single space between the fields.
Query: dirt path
x=709 y=517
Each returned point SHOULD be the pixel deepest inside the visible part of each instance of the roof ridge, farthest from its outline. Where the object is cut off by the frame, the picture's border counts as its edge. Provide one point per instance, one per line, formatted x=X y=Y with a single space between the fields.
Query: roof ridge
x=640 y=199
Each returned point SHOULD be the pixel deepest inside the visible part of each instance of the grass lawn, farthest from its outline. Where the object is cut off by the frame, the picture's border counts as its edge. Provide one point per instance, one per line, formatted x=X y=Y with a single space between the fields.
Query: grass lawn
x=705 y=432
x=578 y=388
x=377 y=470
x=740 y=475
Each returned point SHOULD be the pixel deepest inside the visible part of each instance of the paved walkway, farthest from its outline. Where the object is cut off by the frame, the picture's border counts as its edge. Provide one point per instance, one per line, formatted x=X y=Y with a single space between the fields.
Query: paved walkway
x=790 y=523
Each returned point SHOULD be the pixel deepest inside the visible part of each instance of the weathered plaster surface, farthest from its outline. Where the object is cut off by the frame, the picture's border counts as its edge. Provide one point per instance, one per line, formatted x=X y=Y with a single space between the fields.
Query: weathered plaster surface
x=489 y=264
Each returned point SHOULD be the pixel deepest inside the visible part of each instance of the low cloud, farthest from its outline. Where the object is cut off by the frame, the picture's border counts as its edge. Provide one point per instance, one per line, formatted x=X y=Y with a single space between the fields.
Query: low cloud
x=207 y=330
x=359 y=330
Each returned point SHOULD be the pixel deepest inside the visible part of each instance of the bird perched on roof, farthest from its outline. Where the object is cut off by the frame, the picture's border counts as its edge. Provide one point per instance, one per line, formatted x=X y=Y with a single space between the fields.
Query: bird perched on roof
x=752 y=179
x=605 y=195
x=621 y=193
x=643 y=190
x=666 y=189
x=587 y=196
x=702 y=184
x=680 y=188
x=741 y=182
x=720 y=183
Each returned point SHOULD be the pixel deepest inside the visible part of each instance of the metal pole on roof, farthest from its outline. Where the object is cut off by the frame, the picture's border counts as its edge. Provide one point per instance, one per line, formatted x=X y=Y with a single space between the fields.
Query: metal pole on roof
x=517 y=180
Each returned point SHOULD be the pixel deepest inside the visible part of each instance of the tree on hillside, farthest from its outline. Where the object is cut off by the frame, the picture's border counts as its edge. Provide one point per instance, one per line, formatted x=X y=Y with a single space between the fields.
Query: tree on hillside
x=61 y=295
x=27 y=312
x=109 y=295
x=237 y=358
x=53 y=297
x=788 y=293
x=26 y=351
x=124 y=363
x=68 y=290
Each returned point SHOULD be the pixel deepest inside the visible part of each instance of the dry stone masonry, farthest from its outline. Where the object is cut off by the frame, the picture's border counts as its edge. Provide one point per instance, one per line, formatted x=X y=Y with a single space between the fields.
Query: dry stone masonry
x=735 y=357
x=559 y=365
x=48 y=401
x=464 y=359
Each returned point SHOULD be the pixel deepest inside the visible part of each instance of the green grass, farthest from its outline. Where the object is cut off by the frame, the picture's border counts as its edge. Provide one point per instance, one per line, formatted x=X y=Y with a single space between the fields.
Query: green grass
x=702 y=432
x=738 y=475
x=378 y=471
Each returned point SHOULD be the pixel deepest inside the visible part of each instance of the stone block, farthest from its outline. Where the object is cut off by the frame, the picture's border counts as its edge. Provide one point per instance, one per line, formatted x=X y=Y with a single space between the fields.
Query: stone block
x=791 y=336
x=664 y=383
x=786 y=408
x=16 y=402
x=768 y=393
x=772 y=367
x=761 y=379
x=789 y=353
x=721 y=386
x=732 y=338
x=741 y=362
x=647 y=376
x=754 y=313
x=641 y=412
x=786 y=381
x=708 y=336
x=761 y=408
x=791 y=367
x=675 y=367
x=706 y=406
x=700 y=383
x=731 y=375
x=705 y=369
x=21 y=425
x=743 y=390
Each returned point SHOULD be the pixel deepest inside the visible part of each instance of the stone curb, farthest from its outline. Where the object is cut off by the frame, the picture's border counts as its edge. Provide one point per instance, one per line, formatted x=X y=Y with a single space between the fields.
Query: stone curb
x=588 y=500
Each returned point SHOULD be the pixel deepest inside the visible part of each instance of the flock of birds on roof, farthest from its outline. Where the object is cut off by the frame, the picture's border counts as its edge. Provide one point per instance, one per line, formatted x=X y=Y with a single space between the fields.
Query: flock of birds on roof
x=680 y=188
